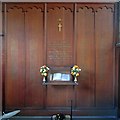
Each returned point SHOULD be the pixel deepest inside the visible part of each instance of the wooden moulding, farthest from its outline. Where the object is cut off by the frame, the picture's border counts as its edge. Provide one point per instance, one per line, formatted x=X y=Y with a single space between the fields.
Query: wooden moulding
x=59 y=1
x=57 y=83
x=1 y=35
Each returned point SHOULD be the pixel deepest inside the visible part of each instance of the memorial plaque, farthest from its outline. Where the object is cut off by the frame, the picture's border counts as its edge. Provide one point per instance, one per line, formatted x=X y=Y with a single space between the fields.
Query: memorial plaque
x=59 y=54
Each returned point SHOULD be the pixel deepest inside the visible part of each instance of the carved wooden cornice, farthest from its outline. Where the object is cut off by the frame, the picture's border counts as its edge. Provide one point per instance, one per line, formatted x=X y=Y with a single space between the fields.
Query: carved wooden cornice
x=67 y=6
x=96 y=7
x=60 y=9
x=25 y=7
x=71 y=7
x=72 y=1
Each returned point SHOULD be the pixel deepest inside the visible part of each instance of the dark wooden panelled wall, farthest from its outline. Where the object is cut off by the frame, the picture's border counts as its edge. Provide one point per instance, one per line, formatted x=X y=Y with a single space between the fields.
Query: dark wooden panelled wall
x=33 y=38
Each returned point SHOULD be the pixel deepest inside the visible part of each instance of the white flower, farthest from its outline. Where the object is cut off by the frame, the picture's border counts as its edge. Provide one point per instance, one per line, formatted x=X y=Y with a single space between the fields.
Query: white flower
x=44 y=70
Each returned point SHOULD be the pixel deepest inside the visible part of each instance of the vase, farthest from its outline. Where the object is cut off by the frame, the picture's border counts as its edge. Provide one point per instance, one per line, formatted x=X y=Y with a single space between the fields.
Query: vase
x=75 y=79
x=44 y=80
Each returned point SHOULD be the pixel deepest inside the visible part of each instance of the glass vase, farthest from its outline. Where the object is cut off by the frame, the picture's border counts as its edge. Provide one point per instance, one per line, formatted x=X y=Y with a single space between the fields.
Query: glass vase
x=75 y=79
x=44 y=79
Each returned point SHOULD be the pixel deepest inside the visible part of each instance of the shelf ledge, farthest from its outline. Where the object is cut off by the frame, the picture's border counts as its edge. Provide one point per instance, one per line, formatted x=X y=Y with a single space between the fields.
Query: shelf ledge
x=58 y=83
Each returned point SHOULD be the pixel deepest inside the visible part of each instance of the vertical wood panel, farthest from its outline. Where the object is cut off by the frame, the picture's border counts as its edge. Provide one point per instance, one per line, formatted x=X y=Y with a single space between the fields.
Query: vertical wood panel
x=85 y=57
x=1 y=59
x=104 y=58
x=1 y=76
x=60 y=44
x=15 y=63
x=59 y=51
x=59 y=96
x=34 y=57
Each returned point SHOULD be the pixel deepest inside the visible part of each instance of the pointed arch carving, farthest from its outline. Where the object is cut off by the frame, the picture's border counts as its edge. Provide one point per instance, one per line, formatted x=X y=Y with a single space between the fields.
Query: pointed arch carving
x=25 y=7
x=85 y=7
x=105 y=7
x=34 y=8
x=69 y=7
x=95 y=7
x=15 y=8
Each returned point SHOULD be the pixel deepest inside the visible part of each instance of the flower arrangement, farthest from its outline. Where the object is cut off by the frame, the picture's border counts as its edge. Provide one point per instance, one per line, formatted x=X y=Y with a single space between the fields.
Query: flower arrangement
x=44 y=70
x=75 y=71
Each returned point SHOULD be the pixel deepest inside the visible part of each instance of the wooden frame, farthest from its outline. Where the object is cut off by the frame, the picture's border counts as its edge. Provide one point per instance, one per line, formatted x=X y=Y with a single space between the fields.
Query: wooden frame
x=60 y=1
x=45 y=62
x=1 y=36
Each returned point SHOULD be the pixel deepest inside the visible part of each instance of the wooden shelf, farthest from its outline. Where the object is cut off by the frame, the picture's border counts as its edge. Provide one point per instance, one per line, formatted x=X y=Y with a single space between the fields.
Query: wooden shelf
x=57 y=83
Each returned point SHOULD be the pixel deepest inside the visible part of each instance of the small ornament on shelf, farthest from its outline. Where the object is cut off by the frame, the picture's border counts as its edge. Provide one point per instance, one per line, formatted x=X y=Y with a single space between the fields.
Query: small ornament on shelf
x=75 y=72
x=44 y=72
x=44 y=79
x=75 y=79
